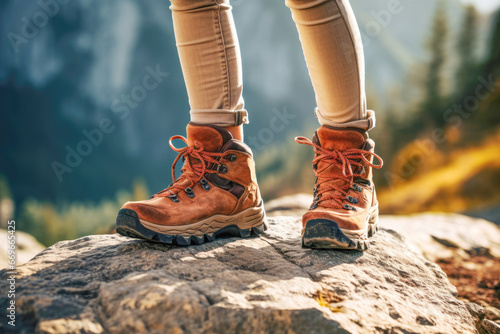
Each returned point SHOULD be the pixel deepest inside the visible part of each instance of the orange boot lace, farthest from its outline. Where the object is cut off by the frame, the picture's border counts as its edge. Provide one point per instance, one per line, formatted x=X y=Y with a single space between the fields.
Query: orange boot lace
x=349 y=162
x=198 y=162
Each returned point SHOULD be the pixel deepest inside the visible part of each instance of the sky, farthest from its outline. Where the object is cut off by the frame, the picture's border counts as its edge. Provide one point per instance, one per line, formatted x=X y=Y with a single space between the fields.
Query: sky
x=484 y=5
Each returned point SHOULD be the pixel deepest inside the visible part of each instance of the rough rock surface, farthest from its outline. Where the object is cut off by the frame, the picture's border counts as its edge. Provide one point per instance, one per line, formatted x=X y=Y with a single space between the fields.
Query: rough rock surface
x=467 y=249
x=434 y=235
x=439 y=236
x=489 y=327
x=26 y=247
x=109 y=283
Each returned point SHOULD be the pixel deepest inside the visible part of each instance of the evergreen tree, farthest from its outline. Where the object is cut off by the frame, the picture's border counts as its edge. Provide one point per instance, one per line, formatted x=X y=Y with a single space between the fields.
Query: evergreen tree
x=433 y=103
x=487 y=118
x=466 y=49
x=492 y=65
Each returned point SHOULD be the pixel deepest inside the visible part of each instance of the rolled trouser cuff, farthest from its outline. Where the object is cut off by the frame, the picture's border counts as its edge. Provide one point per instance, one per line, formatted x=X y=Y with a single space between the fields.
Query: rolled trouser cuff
x=219 y=117
x=364 y=124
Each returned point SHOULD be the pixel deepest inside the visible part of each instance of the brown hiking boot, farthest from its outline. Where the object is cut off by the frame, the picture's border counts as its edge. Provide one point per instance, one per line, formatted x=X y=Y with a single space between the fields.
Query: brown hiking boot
x=217 y=194
x=344 y=212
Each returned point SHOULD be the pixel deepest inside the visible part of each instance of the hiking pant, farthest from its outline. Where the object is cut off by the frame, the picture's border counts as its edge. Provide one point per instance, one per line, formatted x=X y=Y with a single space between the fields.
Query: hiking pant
x=210 y=58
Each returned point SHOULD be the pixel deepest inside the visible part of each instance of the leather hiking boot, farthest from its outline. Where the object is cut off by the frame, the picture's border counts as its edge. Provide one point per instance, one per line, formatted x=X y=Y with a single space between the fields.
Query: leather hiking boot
x=216 y=194
x=344 y=212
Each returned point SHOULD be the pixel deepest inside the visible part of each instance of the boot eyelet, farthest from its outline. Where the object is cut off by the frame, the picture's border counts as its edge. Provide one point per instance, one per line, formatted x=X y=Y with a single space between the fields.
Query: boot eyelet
x=204 y=184
x=349 y=207
x=357 y=188
x=222 y=169
x=189 y=192
x=174 y=198
x=232 y=157
x=352 y=200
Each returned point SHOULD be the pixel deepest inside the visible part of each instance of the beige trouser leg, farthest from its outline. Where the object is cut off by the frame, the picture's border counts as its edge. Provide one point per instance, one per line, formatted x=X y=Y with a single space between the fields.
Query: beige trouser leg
x=333 y=50
x=211 y=62
x=210 y=59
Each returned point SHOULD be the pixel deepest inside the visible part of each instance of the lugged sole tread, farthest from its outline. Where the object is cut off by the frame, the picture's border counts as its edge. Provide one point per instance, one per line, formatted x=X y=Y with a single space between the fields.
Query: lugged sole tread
x=128 y=224
x=326 y=234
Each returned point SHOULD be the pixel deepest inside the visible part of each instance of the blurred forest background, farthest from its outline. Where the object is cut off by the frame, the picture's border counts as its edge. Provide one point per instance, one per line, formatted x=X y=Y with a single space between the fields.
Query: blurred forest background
x=433 y=70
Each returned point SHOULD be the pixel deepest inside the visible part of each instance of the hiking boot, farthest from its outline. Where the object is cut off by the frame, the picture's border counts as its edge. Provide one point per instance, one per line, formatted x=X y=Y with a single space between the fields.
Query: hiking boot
x=344 y=212
x=216 y=194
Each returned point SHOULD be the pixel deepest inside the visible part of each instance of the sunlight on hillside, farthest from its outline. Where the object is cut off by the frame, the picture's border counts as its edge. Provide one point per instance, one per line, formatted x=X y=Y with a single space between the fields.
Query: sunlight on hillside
x=445 y=188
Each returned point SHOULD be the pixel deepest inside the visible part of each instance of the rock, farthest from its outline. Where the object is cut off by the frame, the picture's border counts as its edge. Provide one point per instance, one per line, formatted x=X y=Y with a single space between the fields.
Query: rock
x=434 y=235
x=476 y=310
x=489 y=327
x=293 y=205
x=492 y=313
x=447 y=235
x=26 y=247
x=110 y=283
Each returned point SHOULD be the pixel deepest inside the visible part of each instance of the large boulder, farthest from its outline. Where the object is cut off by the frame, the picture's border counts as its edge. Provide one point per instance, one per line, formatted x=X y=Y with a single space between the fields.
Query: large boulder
x=110 y=283
x=26 y=247
x=434 y=235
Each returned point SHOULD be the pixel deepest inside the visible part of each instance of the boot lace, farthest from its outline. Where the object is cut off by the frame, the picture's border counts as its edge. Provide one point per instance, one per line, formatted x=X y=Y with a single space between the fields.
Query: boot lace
x=351 y=163
x=198 y=162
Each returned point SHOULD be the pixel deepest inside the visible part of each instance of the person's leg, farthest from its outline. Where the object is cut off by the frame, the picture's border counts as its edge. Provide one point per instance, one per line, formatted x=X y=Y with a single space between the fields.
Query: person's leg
x=217 y=192
x=344 y=211
x=210 y=57
x=333 y=50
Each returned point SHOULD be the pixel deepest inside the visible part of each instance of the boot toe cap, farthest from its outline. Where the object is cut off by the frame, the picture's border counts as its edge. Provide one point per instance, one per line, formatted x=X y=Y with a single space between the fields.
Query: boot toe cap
x=345 y=220
x=148 y=210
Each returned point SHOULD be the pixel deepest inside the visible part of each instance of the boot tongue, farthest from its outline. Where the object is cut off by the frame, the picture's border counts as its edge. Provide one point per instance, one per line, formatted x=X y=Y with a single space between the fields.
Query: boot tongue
x=213 y=138
x=341 y=140
x=331 y=140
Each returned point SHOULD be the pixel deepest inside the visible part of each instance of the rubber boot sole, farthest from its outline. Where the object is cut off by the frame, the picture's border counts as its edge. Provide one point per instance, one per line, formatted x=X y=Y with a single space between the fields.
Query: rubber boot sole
x=245 y=224
x=326 y=234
